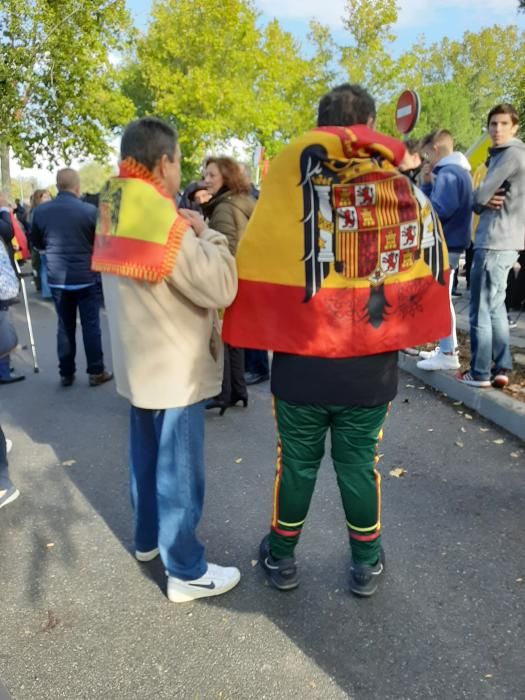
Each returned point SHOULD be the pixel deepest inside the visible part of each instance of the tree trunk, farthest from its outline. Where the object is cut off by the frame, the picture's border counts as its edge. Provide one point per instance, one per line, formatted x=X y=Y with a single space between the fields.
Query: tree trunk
x=6 y=173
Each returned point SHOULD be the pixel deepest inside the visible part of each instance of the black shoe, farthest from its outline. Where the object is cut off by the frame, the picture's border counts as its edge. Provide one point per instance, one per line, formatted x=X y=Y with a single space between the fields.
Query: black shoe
x=282 y=573
x=217 y=403
x=98 y=379
x=455 y=293
x=235 y=400
x=67 y=380
x=12 y=380
x=252 y=378
x=365 y=577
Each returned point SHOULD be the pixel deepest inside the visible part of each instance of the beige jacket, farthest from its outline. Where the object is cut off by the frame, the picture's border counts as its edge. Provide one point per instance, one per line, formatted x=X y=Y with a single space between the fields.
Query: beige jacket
x=165 y=337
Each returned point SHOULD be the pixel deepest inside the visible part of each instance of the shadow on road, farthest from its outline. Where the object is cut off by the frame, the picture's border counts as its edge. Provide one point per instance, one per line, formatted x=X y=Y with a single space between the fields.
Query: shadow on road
x=446 y=620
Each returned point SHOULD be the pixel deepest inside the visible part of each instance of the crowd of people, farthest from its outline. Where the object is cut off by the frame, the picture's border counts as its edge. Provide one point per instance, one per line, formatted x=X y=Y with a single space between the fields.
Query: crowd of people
x=318 y=270
x=482 y=218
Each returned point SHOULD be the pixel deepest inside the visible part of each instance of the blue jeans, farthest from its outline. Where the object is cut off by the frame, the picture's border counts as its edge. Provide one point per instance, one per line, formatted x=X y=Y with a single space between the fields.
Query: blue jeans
x=450 y=343
x=256 y=361
x=87 y=301
x=489 y=326
x=167 y=485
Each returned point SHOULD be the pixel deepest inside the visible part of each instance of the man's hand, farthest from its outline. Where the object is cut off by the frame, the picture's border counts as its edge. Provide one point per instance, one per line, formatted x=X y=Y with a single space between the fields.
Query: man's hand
x=426 y=173
x=497 y=199
x=194 y=219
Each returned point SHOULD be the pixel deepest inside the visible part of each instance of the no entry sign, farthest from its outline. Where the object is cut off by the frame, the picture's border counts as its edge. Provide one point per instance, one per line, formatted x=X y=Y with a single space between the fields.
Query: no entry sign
x=407 y=111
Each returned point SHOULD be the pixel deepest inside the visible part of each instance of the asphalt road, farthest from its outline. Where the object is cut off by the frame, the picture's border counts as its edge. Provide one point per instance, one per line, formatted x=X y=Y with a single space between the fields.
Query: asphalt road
x=81 y=619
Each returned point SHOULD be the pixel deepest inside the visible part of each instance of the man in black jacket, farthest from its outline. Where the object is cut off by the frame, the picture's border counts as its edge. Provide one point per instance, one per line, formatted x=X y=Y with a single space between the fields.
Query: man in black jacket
x=65 y=229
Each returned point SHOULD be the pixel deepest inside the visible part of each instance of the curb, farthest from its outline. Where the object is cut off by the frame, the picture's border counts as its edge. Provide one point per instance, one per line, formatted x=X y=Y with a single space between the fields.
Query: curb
x=492 y=404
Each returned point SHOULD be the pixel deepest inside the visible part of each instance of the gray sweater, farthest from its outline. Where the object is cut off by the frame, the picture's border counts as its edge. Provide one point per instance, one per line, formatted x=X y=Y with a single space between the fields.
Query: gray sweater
x=502 y=229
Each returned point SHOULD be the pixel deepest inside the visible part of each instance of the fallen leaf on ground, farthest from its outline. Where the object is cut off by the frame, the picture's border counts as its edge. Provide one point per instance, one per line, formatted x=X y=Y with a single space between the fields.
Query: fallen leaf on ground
x=458 y=403
x=459 y=443
x=515 y=455
x=483 y=430
x=254 y=562
x=460 y=413
x=50 y=544
x=463 y=430
x=410 y=386
x=519 y=580
x=431 y=430
x=499 y=441
x=468 y=416
x=238 y=460
x=488 y=675
x=69 y=462
x=398 y=472
x=312 y=684
x=51 y=622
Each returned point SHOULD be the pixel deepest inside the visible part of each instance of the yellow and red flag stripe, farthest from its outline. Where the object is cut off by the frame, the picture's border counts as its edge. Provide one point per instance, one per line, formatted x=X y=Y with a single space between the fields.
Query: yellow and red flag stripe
x=340 y=319
x=139 y=230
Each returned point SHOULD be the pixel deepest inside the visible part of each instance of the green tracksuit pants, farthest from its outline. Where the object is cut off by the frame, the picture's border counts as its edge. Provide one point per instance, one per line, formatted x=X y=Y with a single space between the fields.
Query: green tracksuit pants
x=355 y=433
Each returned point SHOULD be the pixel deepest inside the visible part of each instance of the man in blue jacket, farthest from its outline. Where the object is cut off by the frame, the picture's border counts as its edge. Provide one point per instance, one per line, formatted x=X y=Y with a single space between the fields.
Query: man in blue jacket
x=447 y=183
x=65 y=229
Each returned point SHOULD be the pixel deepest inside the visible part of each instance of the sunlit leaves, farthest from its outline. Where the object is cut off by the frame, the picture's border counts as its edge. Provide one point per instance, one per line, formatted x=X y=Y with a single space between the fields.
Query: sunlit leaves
x=60 y=87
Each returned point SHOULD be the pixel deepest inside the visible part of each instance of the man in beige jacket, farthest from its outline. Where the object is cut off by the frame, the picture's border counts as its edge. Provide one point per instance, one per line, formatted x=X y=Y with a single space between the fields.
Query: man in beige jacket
x=163 y=283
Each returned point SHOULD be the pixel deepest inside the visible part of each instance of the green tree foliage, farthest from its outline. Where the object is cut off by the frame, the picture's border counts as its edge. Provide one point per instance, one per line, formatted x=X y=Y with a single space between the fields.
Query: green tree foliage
x=211 y=69
x=446 y=106
x=458 y=81
x=93 y=175
x=368 y=60
x=22 y=188
x=60 y=94
x=482 y=69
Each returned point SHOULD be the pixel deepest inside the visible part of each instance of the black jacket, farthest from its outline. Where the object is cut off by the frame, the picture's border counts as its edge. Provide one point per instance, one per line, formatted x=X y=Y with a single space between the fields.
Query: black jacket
x=6 y=233
x=65 y=230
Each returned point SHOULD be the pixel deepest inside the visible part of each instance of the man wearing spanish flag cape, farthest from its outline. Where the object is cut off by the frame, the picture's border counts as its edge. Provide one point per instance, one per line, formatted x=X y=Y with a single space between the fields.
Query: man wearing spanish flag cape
x=343 y=263
x=164 y=280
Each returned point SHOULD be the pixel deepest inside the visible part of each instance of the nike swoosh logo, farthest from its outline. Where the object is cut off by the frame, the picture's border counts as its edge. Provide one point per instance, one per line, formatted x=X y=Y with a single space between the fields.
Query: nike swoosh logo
x=372 y=573
x=270 y=566
x=210 y=586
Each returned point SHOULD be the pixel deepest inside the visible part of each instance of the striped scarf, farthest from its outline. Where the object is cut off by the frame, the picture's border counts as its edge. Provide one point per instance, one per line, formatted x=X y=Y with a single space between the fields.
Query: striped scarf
x=139 y=230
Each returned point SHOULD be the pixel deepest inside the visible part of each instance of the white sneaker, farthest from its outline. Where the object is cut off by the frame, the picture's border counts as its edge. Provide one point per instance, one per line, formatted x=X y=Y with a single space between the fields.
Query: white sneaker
x=8 y=445
x=427 y=354
x=147 y=556
x=216 y=580
x=440 y=361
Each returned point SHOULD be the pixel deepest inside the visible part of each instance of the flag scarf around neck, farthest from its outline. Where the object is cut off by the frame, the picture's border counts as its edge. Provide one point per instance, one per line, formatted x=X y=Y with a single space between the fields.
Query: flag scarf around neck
x=139 y=230
x=342 y=256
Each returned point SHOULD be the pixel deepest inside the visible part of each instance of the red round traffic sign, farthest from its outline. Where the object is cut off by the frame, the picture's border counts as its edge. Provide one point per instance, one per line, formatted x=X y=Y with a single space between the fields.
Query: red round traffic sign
x=407 y=111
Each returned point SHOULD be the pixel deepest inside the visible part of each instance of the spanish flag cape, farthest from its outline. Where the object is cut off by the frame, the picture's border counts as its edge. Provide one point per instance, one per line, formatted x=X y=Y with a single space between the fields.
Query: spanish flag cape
x=139 y=230
x=342 y=256
x=19 y=240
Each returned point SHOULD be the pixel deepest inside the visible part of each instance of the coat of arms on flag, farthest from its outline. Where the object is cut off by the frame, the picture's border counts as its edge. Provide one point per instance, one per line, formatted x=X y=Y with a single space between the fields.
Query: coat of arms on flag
x=343 y=255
